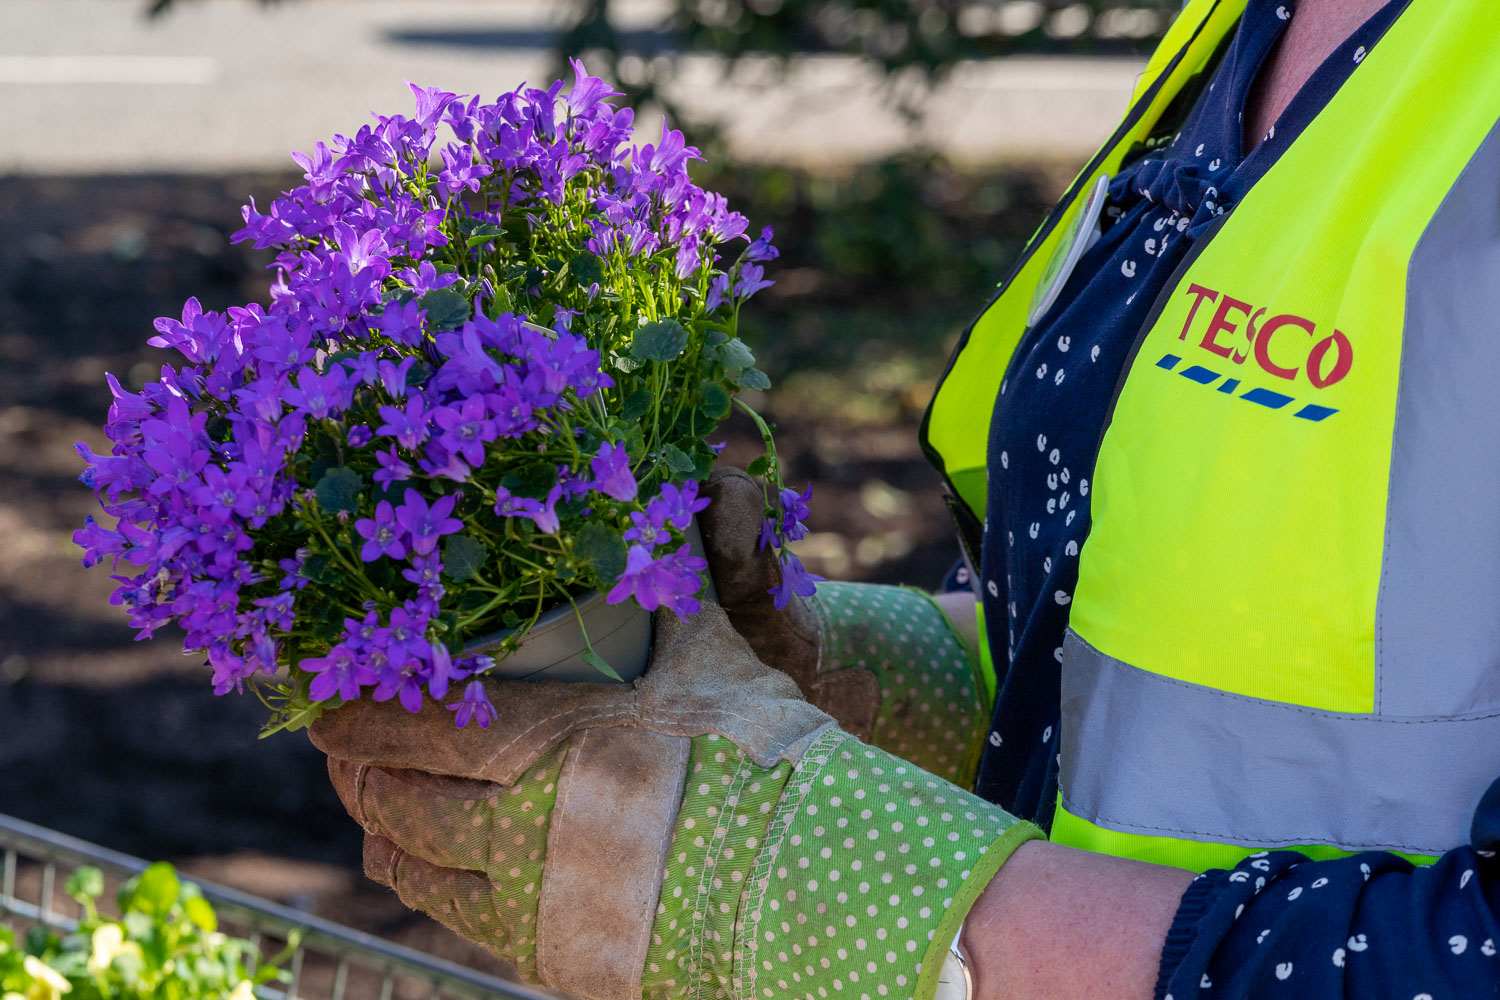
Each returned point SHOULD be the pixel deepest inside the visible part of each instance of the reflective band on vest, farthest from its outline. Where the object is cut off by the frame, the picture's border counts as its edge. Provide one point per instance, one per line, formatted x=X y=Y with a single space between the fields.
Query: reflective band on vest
x=1285 y=626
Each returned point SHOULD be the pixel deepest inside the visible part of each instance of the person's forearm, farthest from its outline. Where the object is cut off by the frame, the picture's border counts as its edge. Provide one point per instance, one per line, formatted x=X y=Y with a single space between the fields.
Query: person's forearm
x=1059 y=923
x=959 y=606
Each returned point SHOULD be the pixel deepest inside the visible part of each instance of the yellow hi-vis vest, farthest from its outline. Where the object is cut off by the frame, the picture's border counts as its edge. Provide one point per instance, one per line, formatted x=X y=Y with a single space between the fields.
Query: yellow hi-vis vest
x=1286 y=629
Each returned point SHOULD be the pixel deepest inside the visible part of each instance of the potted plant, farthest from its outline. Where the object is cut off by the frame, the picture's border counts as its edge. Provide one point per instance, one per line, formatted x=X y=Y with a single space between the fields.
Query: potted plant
x=478 y=404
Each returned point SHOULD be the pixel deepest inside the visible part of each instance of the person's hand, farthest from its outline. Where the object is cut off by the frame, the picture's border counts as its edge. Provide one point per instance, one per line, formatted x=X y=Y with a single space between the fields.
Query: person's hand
x=704 y=831
x=887 y=662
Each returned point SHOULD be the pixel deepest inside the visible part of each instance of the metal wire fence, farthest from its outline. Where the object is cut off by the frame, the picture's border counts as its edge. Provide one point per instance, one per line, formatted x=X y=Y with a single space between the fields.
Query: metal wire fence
x=330 y=962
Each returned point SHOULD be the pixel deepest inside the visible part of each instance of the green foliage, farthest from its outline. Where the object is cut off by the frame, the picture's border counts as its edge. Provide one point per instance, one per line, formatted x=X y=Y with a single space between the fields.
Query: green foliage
x=602 y=549
x=164 y=946
x=463 y=556
x=660 y=341
x=338 y=490
x=913 y=43
x=447 y=309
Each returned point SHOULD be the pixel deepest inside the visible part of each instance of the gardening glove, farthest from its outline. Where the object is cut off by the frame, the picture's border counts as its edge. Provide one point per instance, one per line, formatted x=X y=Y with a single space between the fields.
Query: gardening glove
x=884 y=661
x=703 y=833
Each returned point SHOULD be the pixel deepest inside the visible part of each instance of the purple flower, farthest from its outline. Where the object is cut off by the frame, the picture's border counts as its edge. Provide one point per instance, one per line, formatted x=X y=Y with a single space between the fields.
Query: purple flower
x=475 y=705
x=466 y=429
x=762 y=249
x=340 y=673
x=794 y=511
x=392 y=467
x=795 y=579
x=668 y=582
x=408 y=426
x=767 y=534
x=425 y=524
x=385 y=537
x=718 y=292
x=752 y=280
x=544 y=513
x=679 y=504
x=405 y=680
x=649 y=528
x=611 y=468
x=359 y=436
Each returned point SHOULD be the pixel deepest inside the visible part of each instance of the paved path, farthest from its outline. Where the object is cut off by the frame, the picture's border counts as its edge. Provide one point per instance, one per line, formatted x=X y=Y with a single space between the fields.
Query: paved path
x=90 y=85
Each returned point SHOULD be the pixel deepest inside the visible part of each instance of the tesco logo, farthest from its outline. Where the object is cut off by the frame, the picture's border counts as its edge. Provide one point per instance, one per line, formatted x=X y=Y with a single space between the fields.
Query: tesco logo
x=1238 y=331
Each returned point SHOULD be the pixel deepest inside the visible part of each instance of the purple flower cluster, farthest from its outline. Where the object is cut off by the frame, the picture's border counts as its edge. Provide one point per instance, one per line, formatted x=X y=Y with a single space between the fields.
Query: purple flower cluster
x=312 y=460
x=789 y=527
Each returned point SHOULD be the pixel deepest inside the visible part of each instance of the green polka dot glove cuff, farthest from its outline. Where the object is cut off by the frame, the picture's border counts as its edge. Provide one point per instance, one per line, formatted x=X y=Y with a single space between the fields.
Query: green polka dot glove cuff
x=931 y=708
x=884 y=661
x=705 y=833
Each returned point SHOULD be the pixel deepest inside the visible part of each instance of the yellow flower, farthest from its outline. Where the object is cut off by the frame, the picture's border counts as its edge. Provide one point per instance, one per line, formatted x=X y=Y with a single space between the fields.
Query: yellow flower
x=243 y=991
x=49 y=983
x=108 y=944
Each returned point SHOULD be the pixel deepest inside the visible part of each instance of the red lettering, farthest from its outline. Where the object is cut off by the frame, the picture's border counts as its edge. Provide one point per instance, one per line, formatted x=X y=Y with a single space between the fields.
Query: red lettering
x=1202 y=293
x=1342 y=362
x=1250 y=332
x=1220 y=323
x=1263 y=343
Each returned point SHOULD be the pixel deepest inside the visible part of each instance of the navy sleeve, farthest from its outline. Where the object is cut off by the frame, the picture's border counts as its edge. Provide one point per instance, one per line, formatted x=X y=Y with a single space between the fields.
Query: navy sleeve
x=1366 y=926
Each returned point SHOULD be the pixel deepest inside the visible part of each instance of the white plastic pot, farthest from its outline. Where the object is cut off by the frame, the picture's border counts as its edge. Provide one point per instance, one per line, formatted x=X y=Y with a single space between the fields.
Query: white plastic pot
x=554 y=648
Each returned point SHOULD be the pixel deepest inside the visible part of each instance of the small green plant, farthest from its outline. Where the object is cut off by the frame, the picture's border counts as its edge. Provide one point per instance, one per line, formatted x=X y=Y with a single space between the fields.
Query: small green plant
x=166 y=945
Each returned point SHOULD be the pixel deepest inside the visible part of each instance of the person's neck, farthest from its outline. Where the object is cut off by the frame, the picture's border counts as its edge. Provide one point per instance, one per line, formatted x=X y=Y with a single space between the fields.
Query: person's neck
x=1316 y=29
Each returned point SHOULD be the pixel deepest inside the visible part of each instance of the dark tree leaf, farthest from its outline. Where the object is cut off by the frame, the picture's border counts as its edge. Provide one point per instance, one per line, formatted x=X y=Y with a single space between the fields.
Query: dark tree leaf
x=603 y=549
x=735 y=355
x=715 y=405
x=758 y=466
x=677 y=460
x=338 y=490
x=446 y=309
x=587 y=268
x=637 y=405
x=596 y=661
x=463 y=556
x=754 y=378
x=659 y=341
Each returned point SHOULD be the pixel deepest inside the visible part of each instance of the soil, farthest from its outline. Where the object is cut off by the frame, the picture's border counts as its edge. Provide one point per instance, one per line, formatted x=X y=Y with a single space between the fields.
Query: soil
x=122 y=743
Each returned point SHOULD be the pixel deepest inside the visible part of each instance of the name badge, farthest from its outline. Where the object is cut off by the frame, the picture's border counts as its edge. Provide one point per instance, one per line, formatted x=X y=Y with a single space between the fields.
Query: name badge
x=1083 y=232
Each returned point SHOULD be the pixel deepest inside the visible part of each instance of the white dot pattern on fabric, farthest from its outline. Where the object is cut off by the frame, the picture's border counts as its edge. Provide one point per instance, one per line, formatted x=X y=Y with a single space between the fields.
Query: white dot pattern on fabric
x=921 y=834
x=931 y=707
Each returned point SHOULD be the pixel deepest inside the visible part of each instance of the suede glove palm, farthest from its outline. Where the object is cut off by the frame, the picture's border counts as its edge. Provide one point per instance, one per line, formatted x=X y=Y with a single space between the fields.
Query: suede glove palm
x=884 y=661
x=705 y=833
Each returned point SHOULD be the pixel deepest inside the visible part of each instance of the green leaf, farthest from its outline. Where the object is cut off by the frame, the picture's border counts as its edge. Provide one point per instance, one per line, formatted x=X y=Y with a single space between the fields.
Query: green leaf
x=596 y=661
x=625 y=362
x=463 y=556
x=758 y=466
x=715 y=405
x=201 y=913
x=637 y=404
x=85 y=883
x=156 y=889
x=418 y=374
x=338 y=490
x=587 y=268
x=659 y=341
x=603 y=549
x=130 y=966
x=677 y=460
x=482 y=233
x=447 y=309
x=754 y=378
x=735 y=355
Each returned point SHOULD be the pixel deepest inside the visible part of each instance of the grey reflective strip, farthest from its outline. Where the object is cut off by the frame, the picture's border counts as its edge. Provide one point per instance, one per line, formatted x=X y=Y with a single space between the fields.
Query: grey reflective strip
x=1145 y=754
x=1437 y=630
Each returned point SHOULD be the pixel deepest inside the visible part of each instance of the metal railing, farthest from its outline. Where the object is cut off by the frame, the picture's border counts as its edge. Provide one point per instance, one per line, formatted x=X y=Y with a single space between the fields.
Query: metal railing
x=331 y=961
